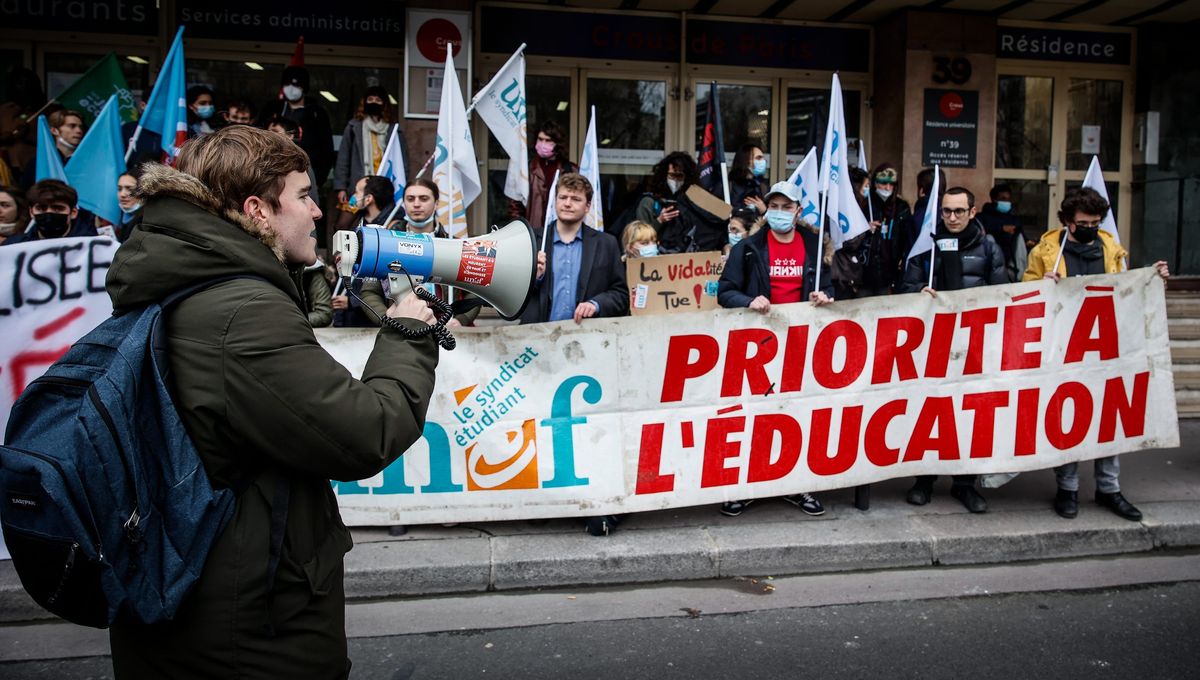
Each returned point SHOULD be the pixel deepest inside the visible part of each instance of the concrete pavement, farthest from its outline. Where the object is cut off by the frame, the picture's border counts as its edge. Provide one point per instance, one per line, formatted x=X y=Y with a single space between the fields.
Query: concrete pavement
x=772 y=538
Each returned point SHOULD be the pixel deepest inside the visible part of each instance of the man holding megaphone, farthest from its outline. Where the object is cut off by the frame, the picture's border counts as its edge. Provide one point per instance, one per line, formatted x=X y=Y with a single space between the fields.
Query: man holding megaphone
x=262 y=401
x=579 y=271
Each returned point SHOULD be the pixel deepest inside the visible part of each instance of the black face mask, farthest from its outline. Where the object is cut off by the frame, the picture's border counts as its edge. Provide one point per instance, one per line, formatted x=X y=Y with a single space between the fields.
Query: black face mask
x=52 y=225
x=372 y=109
x=1086 y=234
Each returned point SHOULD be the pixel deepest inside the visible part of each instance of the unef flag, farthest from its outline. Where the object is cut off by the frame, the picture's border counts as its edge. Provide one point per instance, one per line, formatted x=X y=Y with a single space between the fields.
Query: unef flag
x=835 y=175
x=391 y=166
x=166 y=110
x=454 y=168
x=49 y=164
x=501 y=105
x=589 y=167
x=1095 y=180
x=805 y=177
x=924 y=240
x=98 y=164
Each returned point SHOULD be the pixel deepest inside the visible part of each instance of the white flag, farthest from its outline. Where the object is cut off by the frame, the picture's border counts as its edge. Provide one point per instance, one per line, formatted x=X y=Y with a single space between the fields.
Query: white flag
x=805 y=177
x=551 y=213
x=1095 y=180
x=501 y=105
x=835 y=175
x=589 y=167
x=455 y=170
x=924 y=240
x=391 y=166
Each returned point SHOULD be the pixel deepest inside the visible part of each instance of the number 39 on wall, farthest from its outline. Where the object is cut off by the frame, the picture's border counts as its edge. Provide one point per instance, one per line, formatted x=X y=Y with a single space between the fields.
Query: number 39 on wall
x=947 y=70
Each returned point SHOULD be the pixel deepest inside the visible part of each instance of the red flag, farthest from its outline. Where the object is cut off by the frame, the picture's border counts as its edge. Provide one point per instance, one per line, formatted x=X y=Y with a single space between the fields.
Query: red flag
x=298 y=54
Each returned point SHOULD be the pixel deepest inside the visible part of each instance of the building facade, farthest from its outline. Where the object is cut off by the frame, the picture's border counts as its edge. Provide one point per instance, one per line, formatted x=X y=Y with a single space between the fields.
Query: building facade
x=1021 y=92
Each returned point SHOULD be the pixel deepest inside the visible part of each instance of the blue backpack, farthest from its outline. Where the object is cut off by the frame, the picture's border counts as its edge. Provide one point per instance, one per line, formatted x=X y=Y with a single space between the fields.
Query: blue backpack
x=107 y=510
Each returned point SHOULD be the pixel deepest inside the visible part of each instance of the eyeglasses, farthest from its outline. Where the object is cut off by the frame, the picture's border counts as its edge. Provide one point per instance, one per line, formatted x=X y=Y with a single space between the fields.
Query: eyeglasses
x=954 y=212
x=1088 y=225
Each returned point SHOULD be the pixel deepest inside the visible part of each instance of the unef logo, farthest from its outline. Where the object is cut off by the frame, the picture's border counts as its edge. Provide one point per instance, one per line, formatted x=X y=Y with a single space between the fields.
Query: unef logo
x=517 y=465
x=513 y=101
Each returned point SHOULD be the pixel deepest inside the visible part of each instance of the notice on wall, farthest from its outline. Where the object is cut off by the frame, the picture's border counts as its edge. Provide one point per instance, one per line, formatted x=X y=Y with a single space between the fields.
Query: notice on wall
x=684 y=282
x=1090 y=141
x=951 y=128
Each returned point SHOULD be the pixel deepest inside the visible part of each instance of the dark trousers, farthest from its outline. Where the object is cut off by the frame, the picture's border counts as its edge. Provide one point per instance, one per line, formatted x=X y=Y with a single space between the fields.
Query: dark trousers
x=958 y=480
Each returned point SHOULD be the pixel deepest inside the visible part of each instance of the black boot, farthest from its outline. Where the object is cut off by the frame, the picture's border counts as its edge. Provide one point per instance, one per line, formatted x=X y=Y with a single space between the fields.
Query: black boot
x=921 y=491
x=969 y=497
x=1066 y=504
x=1117 y=503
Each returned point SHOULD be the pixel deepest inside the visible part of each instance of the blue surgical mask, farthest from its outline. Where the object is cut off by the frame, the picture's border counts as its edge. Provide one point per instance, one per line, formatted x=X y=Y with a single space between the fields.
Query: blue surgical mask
x=205 y=112
x=760 y=167
x=423 y=223
x=735 y=239
x=781 y=221
x=865 y=191
x=133 y=209
x=648 y=251
x=1003 y=206
x=353 y=202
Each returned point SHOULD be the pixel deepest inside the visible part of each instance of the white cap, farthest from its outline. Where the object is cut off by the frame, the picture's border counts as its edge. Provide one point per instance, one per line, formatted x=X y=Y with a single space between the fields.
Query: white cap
x=786 y=188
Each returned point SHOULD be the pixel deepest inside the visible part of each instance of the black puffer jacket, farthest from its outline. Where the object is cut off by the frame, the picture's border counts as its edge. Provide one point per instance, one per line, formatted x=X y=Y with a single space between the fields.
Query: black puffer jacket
x=982 y=264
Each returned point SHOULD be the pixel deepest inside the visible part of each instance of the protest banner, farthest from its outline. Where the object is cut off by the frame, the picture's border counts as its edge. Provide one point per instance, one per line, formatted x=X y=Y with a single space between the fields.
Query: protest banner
x=53 y=294
x=646 y=413
x=665 y=284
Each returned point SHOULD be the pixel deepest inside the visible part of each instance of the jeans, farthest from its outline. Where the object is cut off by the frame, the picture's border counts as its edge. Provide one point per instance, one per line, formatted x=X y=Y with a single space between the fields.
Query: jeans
x=1107 y=471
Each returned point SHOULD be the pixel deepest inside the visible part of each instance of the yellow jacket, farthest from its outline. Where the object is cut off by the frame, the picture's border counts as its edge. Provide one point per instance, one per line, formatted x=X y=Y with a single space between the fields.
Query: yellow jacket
x=1041 y=258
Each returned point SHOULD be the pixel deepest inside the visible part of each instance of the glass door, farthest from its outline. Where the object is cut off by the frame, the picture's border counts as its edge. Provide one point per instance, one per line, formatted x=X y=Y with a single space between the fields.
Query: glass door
x=631 y=133
x=1049 y=125
x=746 y=116
x=807 y=118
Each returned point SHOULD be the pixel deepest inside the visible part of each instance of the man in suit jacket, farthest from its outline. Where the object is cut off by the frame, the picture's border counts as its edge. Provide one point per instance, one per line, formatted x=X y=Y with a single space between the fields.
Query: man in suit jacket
x=579 y=272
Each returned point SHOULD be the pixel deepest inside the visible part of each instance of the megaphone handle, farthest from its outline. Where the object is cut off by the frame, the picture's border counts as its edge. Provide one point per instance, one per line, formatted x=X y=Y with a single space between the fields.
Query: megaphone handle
x=442 y=313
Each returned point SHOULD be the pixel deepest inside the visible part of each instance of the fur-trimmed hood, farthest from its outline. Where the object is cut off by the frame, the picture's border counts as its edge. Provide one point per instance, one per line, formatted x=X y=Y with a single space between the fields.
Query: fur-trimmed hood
x=186 y=237
x=159 y=180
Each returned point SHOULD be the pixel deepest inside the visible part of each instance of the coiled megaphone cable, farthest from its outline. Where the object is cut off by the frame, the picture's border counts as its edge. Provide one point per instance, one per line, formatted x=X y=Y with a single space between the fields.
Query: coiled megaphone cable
x=442 y=312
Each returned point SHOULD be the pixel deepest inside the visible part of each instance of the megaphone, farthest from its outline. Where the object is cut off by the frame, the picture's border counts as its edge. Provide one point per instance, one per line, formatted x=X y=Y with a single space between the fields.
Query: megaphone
x=498 y=267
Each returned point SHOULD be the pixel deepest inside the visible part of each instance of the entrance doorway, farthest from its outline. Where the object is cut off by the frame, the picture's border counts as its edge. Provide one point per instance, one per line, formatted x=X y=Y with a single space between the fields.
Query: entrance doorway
x=1050 y=122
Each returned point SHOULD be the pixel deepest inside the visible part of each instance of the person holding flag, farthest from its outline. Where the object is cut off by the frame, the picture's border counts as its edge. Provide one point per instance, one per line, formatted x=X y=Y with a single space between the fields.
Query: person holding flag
x=1082 y=247
x=848 y=227
x=961 y=255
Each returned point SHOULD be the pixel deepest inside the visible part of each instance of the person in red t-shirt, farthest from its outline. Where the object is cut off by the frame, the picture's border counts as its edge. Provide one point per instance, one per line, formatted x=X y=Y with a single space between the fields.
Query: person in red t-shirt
x=776 y=266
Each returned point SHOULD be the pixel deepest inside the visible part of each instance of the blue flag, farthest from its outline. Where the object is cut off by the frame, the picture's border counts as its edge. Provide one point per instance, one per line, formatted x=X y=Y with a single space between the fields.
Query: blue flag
x=98 y=164
x=49 y=163
x=166 y=110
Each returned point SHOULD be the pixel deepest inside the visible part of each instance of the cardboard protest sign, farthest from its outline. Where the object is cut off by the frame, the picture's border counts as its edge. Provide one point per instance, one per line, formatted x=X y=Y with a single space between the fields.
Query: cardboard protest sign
x=646 y=413
x=684 y=282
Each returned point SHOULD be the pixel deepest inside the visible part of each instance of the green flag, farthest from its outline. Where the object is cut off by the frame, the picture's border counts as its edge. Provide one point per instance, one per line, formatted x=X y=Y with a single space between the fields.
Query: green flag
x=88 y=94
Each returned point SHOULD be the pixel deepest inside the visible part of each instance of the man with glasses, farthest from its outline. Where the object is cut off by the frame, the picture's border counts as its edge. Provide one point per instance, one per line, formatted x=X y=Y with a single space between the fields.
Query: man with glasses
x=1086 y=249
x=964 y=256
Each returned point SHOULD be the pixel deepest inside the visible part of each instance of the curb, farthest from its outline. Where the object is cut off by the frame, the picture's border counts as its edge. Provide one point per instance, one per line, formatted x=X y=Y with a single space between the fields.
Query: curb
x=461 y=565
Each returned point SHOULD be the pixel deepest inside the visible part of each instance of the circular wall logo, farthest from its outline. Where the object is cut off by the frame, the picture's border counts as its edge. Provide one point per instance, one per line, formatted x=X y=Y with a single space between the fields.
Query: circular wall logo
x=951 y=105
x=432 y=37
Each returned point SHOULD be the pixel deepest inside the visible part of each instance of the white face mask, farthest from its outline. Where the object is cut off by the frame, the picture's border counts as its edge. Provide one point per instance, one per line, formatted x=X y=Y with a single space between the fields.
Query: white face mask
x=8 y=228
x=674 y=185
x=293 y=93
x=883 y=194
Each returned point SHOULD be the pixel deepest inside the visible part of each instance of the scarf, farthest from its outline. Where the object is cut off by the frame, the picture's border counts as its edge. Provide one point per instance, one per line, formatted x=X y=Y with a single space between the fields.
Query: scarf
x=950 y=260
x=1083 y=258
x=373 y=141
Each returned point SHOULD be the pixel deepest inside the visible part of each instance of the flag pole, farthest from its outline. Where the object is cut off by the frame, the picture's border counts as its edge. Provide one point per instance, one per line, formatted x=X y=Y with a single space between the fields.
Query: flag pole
x=545 y=222
x=932 y=250
x=450 y=147
x=725 y=179
x=934 y=196
x=820 y=240
x=392 y=214
x=1061 y=246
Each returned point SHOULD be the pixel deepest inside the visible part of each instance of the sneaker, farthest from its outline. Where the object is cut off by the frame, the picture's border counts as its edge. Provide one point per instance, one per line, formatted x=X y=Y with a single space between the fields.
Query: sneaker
x=601 y=526
x=807 y=504
x=734 y=508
